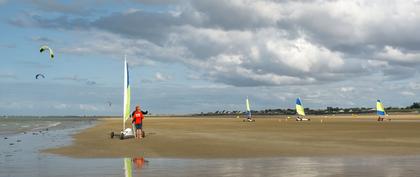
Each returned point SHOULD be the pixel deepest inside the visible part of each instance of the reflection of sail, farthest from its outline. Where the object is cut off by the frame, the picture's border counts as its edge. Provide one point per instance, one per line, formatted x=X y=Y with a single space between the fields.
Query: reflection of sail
x=127 y=167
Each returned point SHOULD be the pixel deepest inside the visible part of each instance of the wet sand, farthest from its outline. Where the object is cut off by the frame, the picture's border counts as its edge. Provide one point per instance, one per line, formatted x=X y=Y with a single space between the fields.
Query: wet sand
x=168 y=137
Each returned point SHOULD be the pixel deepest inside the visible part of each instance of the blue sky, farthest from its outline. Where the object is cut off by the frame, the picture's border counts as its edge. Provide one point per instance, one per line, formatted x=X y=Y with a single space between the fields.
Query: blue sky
x=199 y=56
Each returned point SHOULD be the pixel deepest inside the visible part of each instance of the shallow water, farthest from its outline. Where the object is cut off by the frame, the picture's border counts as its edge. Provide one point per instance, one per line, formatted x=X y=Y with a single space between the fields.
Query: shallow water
x=11 y=126
x=23 y=159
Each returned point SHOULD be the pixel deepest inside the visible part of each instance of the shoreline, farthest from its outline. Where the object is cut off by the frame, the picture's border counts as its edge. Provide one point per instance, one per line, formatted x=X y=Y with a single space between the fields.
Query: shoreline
x=210 y=138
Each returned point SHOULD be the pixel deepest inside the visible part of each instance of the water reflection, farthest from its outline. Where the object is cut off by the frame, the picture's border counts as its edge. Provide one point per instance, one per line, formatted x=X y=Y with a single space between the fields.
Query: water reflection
x=128 y=167
x=284 y=166
x=139 y=162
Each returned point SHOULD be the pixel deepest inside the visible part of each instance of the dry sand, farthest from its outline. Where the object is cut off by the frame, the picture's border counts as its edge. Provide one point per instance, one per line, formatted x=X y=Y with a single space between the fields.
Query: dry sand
x=267 y=137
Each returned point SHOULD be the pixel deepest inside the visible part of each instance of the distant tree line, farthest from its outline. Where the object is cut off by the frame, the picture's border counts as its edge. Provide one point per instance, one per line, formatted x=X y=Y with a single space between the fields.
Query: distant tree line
x=415 y=105
x=329 y=110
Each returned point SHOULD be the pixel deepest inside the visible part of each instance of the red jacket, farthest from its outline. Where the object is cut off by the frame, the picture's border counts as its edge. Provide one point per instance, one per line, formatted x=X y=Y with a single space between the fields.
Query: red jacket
x=137 y=117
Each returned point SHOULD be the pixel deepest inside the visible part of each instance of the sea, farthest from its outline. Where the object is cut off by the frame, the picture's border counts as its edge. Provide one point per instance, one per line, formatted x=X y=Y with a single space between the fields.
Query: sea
x=23 y=138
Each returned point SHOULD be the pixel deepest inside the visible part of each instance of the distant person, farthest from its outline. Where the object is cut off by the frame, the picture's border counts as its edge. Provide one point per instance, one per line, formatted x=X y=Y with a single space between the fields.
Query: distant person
x=138 y=117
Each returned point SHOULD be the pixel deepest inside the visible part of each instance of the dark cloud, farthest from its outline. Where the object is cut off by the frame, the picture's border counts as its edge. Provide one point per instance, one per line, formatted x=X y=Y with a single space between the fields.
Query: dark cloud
x=231 y=15
x=147 y=25
x=399 y=72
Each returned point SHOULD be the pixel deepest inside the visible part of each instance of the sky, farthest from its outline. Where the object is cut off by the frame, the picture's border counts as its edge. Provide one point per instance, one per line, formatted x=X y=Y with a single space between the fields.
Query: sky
x=189 y=56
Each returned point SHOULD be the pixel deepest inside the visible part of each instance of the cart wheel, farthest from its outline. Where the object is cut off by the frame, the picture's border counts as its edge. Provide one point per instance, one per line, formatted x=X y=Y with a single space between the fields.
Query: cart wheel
x=112 y=135
x=122 y=136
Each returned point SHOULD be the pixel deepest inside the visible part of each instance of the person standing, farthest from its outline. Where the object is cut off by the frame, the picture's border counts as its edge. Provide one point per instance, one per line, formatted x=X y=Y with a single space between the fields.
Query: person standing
x=138 y=117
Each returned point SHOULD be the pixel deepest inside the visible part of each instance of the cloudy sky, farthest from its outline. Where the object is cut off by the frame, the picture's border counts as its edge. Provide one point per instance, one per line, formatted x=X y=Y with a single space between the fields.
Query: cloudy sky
x=189 y=56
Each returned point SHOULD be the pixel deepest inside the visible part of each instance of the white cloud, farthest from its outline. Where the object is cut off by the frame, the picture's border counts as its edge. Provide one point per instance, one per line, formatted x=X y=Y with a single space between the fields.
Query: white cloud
x=263 y=57
x=347 y=89
x=407 y=93
x=210 y=86
x=414 y=85
x=88 y=107
x=161 y=77
x=131 y=10
x=377 y=63
x=138 y=51
x=303 y=55
x=392 y=54
x=61 y=106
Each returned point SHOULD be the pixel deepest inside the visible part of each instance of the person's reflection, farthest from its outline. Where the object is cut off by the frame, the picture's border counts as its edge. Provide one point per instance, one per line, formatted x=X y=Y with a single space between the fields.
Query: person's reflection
x=139 y=162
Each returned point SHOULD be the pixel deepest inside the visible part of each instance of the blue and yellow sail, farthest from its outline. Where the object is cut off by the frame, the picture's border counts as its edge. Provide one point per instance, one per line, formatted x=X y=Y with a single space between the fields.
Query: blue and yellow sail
x=127 y=93
x=299 y=107
x=380 y=108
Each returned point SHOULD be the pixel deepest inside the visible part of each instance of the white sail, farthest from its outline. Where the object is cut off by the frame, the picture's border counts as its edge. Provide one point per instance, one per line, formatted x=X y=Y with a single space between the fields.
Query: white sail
x=248 y=108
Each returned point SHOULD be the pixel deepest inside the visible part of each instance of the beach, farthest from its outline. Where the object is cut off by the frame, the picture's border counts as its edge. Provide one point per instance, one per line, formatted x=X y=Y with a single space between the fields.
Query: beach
x=271 y=136
x=204 y=146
